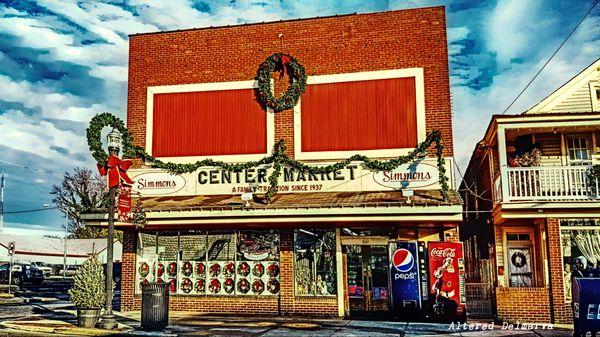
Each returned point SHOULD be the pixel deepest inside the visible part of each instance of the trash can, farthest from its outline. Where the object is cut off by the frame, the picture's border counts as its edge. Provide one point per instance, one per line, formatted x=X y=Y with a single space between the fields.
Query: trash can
x=586 y=305
x=155 y=306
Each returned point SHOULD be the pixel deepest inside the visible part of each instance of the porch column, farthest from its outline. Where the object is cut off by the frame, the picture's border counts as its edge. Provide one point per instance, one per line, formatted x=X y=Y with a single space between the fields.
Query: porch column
x=503 y=163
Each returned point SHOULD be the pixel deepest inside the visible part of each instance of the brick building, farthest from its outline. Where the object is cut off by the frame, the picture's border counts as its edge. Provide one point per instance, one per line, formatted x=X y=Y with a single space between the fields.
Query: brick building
x=377 y=85
x=532 y=203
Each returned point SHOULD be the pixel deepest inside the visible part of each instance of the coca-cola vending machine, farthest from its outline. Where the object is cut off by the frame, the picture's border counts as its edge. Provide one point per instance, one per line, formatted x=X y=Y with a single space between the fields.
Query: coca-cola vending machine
x=446 y=281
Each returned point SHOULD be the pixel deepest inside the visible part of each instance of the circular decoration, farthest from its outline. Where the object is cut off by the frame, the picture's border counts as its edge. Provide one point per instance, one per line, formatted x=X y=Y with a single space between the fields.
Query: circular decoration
x=200 y=269
x=283 y=63
x=258 y=286
x=228 y=285
x=518 y=259
x=273 y=286
x=215 y=286
x=172 y=285
x=243 y=286
x=258 y=269
x=186 y=285
x=200 y=286
x=215 y=270
x=244 y=269
x=161 y=270
x=187 y=268
x=273 y=270
x=229 y=269
x=144 y=269
x=172 y=269
x=94 y=131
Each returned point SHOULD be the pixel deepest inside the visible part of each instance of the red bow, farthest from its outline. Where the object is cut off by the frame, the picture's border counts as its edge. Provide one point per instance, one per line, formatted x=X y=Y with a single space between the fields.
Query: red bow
x=116 y=170
x=285 y=59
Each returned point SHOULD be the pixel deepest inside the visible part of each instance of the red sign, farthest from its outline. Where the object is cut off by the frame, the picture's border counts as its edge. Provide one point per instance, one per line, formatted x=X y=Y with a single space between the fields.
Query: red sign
x=124 y=203
x=446 y=270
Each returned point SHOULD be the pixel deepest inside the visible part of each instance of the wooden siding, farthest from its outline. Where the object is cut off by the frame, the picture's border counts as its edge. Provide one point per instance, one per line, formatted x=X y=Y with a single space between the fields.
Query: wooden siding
x=578 y=101
x=359 y=115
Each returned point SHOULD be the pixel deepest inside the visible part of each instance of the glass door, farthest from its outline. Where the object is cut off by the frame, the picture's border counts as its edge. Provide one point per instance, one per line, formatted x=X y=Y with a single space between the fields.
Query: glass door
x=368 y=279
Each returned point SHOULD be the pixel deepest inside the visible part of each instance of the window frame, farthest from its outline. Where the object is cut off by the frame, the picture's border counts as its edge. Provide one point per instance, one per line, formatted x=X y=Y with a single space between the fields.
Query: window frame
x=201 y=87
x=588 y=142
x=520 y=244
x=417 y=73
x=337 y=290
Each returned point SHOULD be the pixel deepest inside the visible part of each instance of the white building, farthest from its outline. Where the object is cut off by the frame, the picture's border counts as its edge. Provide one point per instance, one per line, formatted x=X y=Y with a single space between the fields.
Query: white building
x=33 y=248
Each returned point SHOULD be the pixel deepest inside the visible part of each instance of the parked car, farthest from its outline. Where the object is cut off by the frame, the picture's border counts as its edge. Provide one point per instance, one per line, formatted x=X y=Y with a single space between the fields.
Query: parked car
x=47 y=270
x=22 y=273
x=71 y=270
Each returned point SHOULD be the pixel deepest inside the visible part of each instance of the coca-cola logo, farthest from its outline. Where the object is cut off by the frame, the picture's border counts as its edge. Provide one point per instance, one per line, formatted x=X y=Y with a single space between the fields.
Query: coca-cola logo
x=446 y=252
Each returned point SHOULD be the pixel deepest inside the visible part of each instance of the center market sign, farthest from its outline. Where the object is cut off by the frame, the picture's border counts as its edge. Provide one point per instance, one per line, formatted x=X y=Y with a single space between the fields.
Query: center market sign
x=211 y=181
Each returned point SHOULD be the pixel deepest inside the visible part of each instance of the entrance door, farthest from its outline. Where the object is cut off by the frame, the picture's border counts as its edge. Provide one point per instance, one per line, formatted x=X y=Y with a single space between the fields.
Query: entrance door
x=368 y=279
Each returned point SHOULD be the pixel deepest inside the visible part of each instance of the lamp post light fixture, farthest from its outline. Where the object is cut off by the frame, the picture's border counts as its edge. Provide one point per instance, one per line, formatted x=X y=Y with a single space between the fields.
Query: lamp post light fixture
x=108 y=321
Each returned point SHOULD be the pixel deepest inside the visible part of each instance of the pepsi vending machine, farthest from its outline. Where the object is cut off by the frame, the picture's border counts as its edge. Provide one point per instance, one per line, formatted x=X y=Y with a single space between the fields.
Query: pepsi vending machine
x=405 y=280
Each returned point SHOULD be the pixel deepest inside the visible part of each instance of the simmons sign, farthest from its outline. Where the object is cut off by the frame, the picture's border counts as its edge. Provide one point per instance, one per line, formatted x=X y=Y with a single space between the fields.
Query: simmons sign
x=411 y=176
x=352 y=178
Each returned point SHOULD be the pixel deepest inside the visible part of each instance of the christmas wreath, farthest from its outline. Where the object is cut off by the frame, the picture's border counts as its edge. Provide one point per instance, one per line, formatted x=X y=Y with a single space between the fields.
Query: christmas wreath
x=215 y=270
x=200 y=269
x=144 y=269
x=172 y=285
x=258 y=286
x=283 y=63
x=215 y=286
x=94 y=140
x=200 y=286
x=243 y=286
x=273 y=286
x=186 y=269
x=273 y=270
x=258 y=269
x=244 y=269
x=228 y=285
x=186 y=285
x=229 y=269
x=161 y=269
x=172 y=269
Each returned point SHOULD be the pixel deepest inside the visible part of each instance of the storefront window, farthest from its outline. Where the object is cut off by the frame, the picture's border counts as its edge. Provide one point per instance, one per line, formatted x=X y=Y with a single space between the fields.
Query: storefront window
x=580 y=239
x=314 y=252
x=210 y=263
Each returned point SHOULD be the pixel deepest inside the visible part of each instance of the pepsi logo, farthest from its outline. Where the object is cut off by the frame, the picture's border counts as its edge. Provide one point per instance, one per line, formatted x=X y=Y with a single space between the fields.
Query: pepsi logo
x=403 y=260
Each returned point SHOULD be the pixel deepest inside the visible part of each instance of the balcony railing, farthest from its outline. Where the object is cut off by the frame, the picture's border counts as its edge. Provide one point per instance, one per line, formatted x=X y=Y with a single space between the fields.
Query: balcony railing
x=550 y=183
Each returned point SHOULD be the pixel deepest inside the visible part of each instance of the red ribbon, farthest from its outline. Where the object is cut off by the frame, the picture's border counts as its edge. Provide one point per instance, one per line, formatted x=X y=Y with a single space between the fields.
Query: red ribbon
x=116 y=170
x=285 y=59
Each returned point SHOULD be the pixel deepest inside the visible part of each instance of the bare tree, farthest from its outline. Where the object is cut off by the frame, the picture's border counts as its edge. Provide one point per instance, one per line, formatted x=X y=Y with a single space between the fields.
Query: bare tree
x=81 y=191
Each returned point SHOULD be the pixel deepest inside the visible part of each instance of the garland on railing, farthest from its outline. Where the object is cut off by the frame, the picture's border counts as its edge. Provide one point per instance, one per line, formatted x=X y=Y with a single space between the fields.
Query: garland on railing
x=277 y=158
x=593 y=178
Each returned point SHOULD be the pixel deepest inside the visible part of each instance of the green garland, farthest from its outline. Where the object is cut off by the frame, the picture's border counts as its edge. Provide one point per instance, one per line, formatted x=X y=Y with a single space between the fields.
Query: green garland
x=593 y=175
x=297 y=82
x=94 y=136
x=278 y=158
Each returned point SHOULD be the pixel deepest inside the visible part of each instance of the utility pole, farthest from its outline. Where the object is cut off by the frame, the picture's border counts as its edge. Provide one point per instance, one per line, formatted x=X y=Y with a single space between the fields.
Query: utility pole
x=65 y=247
x=2 y=203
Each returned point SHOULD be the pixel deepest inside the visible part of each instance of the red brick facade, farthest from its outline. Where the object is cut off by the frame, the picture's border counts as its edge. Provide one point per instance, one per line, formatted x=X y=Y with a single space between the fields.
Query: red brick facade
x=343 y=44
x=334 y=45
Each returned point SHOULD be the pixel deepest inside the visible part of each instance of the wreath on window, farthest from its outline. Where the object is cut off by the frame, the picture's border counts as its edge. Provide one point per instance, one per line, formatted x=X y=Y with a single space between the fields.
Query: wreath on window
x=284 y=63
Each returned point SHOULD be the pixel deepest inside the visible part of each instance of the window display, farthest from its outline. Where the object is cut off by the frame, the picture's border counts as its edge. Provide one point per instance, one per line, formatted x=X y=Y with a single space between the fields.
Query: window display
x=580 y=240
x=314 y=252
x=210 y=263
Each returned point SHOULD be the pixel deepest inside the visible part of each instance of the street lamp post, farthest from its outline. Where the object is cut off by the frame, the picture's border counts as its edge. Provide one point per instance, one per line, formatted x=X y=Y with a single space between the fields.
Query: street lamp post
x=108 y=319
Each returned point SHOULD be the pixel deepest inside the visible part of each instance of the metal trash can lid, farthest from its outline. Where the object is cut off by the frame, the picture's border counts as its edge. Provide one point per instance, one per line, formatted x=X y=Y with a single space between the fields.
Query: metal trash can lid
x=154 y=287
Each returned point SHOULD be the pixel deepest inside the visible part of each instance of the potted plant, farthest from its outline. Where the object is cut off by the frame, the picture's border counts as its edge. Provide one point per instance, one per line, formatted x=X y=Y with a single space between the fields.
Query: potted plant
x=88 y=292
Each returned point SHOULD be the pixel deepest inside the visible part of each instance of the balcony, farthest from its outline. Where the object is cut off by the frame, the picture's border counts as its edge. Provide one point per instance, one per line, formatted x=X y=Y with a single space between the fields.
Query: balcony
x=547 y=184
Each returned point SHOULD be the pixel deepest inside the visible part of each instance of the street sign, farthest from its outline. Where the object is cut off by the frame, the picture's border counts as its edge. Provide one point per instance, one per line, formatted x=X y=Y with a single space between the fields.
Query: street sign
x=11 y=248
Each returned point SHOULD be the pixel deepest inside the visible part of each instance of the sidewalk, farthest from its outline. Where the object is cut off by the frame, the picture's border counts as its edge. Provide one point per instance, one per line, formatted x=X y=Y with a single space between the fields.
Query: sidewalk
x=59 y=319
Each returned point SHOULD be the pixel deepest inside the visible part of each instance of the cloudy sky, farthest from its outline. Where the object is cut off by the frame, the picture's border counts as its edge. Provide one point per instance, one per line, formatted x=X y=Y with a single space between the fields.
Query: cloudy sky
x=61 y=62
